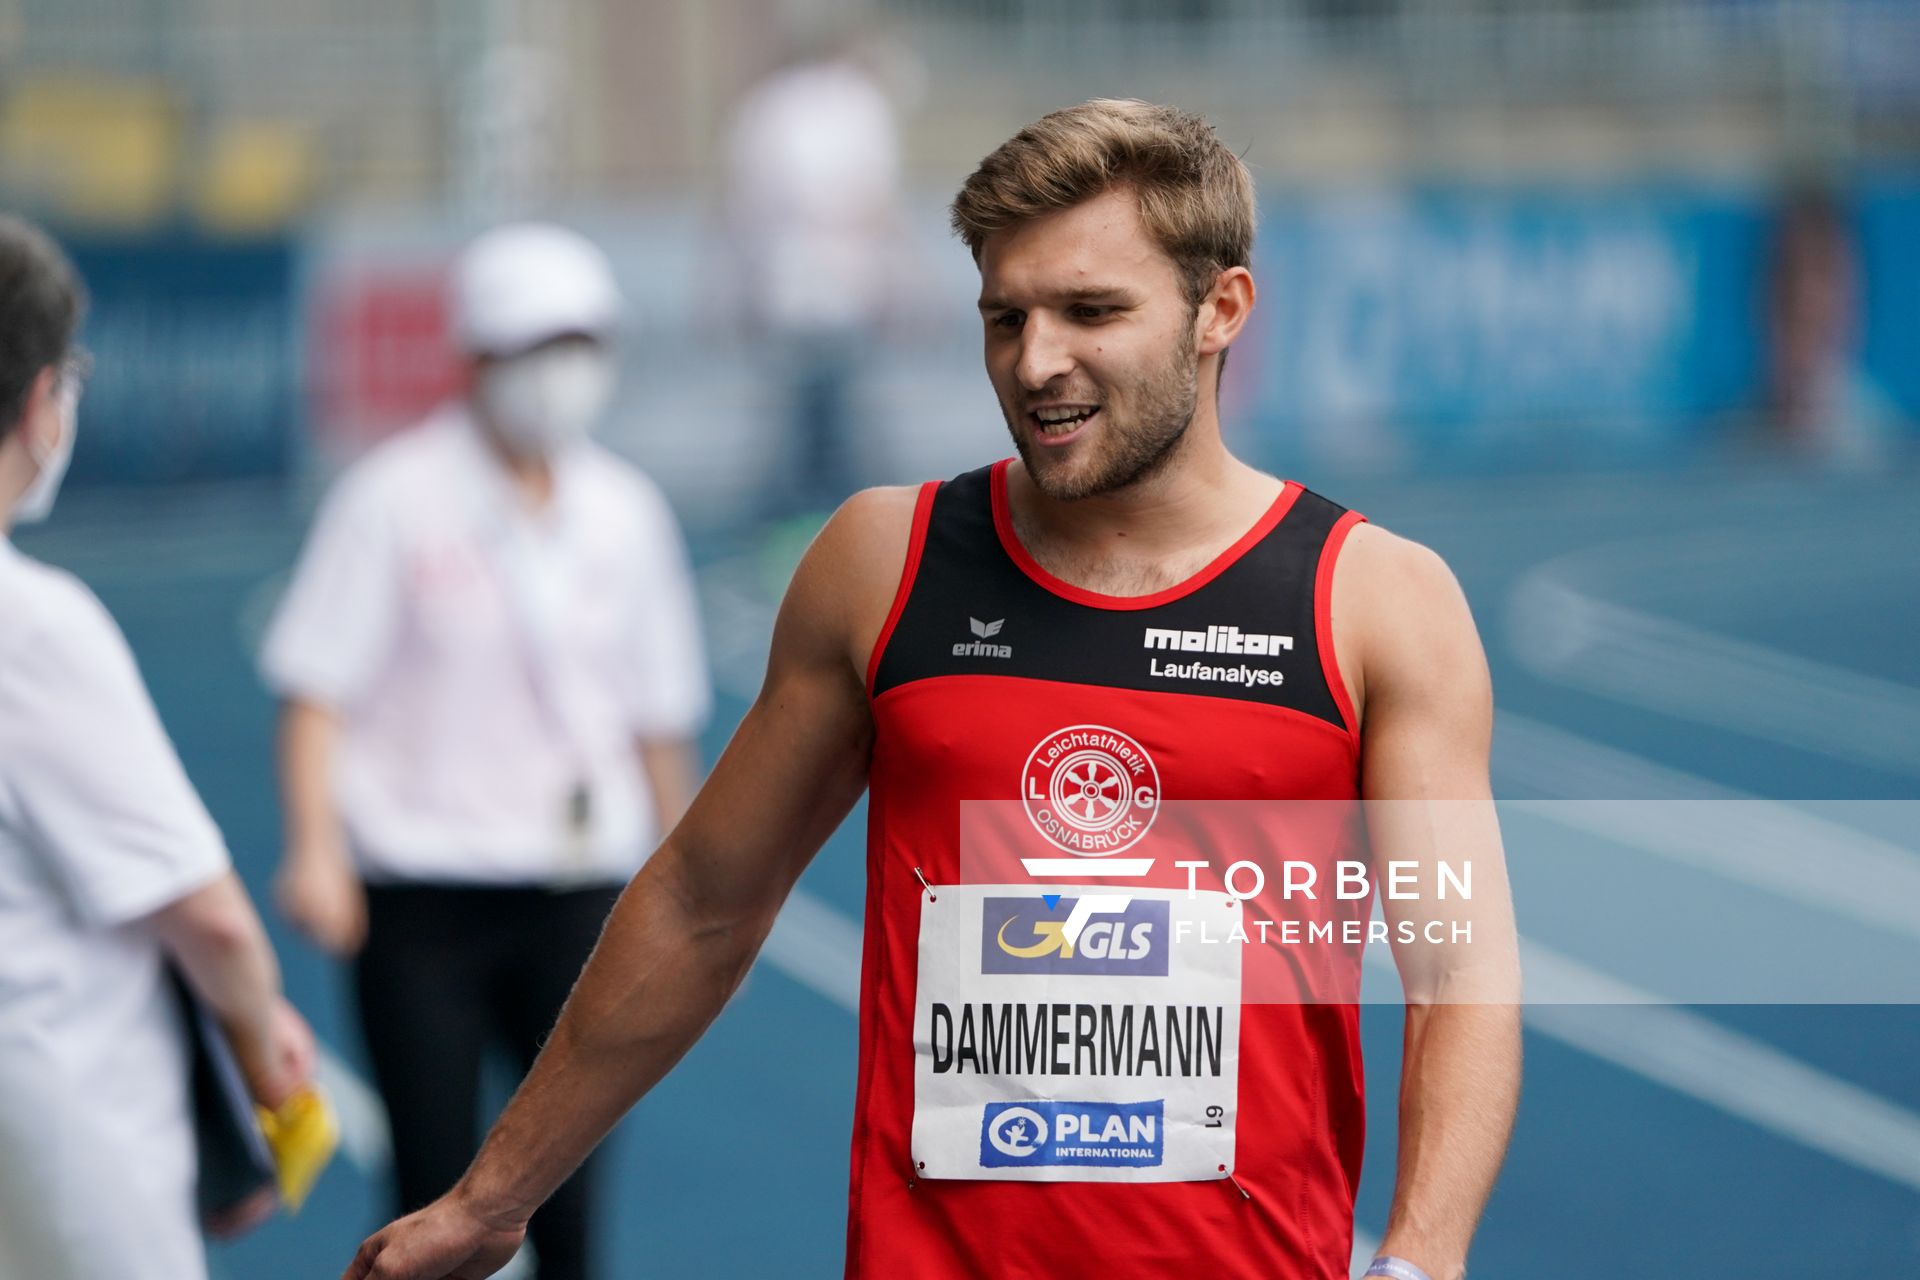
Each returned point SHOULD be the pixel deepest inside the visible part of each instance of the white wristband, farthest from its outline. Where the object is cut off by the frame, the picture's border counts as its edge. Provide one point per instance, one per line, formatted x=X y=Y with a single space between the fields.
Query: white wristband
x=1396 y=1269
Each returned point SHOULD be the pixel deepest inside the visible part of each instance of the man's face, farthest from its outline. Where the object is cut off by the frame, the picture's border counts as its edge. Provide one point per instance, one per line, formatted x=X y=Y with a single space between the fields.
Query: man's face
x=1090 y=346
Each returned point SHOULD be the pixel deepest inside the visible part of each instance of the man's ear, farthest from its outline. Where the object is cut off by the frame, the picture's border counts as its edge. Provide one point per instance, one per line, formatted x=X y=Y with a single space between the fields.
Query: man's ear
x=1224 y=311
x=39 y=423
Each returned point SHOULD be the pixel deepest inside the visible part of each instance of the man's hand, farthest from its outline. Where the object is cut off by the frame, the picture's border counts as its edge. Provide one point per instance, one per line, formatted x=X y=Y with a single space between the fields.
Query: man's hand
x=237 y=1220
x=279 y=1059
x=447 y=1240
x=320 y=894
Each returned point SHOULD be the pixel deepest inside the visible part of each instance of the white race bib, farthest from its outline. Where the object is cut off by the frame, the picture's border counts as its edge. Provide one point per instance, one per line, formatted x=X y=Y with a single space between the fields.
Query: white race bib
x=1093 y=1038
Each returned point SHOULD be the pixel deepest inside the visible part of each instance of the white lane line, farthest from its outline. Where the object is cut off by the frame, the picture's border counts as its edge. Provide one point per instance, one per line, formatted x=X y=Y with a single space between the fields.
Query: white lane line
x=818 y=947
x=1633 y=1029
x=1805 y=859
x=365 y=1139
x=1364 y=1249
x=1567 y=635
x=1723 y=1068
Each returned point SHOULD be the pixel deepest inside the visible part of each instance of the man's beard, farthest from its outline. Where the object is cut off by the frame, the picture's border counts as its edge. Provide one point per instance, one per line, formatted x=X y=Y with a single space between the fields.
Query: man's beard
x=1130 y=451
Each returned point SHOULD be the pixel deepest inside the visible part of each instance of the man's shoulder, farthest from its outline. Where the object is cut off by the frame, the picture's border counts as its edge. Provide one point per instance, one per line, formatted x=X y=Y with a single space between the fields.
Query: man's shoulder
x=1402 y=612
x=40 y=597
x=414 y=457
x=1392 y=567
x=859 y=557
x=877 y=517
x=48 y=611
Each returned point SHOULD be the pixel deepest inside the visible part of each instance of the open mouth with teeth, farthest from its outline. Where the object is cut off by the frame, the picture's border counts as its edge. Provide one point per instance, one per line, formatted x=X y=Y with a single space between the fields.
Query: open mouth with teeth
x=1059 y=423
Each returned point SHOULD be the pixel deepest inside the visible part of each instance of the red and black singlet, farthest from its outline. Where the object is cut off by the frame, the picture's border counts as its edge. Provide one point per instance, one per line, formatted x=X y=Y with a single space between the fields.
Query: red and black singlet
x=1050 y=1081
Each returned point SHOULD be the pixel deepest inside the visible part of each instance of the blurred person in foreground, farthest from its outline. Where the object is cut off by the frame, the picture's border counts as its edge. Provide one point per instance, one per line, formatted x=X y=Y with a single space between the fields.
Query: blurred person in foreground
x=814 y=230
x=109 y=868
x=492 y=676
x=956 y=642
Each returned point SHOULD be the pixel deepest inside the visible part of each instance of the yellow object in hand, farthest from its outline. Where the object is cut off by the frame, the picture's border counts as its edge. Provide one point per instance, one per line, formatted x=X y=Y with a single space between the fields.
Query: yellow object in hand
x=302 y=1136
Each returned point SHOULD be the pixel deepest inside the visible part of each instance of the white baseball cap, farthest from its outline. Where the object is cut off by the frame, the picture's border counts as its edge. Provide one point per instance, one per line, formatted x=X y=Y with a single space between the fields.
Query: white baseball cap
x=516 y=286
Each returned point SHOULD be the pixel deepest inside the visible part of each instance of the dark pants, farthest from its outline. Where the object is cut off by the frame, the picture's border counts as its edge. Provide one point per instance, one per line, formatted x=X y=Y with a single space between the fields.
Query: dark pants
x=448 y=972
x=819 y=377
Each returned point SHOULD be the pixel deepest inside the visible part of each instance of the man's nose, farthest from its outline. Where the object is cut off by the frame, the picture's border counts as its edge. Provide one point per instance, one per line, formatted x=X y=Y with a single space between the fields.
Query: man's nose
x=1045 y=352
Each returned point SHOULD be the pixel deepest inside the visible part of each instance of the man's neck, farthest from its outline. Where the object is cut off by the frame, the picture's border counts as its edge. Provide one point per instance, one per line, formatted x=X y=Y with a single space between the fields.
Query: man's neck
x=531 y=477
x=1200 y=489
x=16 y=477
x=1155 y=532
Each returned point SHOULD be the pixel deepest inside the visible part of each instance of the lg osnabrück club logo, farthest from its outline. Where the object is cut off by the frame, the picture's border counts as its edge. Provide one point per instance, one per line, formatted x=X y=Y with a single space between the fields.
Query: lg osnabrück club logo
x=1061 y=935
x=1090 y=790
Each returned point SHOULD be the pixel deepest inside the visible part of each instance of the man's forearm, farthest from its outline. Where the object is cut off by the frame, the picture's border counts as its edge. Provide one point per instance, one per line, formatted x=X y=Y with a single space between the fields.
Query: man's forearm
x=1459 y=1087
x=216 y=938
x=307 y=735
x=664 y=967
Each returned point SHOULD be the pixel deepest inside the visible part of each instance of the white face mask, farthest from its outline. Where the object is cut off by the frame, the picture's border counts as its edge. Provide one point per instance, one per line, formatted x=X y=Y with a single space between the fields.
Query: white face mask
x=37 y=502
x=546 y=400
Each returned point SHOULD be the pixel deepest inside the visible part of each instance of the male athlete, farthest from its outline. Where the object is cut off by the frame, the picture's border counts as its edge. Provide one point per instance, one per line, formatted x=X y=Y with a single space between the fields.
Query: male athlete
x=982 y=640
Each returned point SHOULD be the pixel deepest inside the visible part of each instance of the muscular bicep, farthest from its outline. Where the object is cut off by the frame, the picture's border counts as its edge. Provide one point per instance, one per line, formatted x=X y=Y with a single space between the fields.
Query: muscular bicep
x=1424 y=758
x=793 y=770
x=1429 y=701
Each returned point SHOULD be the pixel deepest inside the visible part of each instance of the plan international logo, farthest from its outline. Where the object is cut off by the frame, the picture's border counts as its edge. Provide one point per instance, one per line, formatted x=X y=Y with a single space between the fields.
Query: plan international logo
x=1113 y=1135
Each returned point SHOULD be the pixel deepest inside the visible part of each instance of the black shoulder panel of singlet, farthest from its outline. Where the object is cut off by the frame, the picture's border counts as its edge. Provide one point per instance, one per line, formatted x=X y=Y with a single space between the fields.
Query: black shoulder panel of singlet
x=1246 y=634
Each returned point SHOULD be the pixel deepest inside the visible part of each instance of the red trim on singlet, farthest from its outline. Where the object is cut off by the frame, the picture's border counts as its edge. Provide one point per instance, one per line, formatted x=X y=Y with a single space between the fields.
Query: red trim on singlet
x=916 y=543
x=1323 y=619
x=1003 y=523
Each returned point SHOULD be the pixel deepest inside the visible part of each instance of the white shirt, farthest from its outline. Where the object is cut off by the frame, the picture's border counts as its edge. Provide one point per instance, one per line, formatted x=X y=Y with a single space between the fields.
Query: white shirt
x=489 y=662
x=98 y=827
x=814 y=170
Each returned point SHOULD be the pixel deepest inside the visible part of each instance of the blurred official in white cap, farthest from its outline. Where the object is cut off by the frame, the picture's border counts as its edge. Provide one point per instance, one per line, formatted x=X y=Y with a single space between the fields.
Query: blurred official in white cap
x=110 y=869
x=492 y=676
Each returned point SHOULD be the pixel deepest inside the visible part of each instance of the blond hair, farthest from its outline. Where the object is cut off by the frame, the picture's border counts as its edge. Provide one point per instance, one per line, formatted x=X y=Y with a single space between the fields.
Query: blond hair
x=1195 y=196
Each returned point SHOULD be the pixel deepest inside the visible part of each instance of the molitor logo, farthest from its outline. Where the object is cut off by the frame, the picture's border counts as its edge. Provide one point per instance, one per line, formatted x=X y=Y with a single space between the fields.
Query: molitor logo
x=1122 y=1135
x=1090 y=790
x=1025 y=935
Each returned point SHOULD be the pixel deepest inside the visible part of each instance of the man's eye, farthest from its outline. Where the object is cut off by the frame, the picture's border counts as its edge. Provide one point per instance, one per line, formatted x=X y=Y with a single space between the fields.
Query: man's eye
x=1088 y=312
x=1008 y=320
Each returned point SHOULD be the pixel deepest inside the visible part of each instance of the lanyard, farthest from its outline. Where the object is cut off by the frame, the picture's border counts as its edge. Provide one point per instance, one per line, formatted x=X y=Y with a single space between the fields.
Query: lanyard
x=541 y=584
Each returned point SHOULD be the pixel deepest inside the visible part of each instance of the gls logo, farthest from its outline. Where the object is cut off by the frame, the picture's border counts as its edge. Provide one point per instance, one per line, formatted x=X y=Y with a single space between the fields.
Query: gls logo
x=979 y=648
x=1122 y=1135
x=1024 y=935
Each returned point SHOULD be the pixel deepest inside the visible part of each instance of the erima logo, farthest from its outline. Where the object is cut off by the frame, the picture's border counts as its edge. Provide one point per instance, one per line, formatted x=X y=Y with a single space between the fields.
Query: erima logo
x=1075 y=935
x=1126 y=1135
x=1217 y=640
x=980 y=648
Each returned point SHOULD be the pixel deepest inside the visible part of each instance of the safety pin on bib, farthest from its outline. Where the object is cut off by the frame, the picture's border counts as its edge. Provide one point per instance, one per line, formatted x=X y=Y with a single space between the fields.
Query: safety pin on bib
x=931 y=895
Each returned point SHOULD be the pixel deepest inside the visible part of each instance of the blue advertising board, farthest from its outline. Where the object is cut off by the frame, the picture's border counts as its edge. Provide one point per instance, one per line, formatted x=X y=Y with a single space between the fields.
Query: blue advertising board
x=196 y=357
x=1584 y=320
